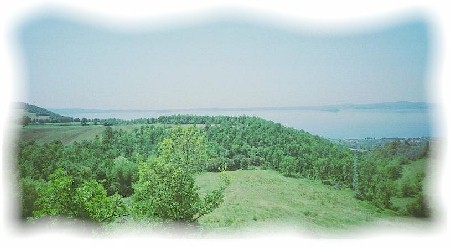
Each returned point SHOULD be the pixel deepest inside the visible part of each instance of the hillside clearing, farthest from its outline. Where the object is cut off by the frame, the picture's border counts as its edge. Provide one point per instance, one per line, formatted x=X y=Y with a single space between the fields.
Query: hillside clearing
x=66 y=134
x=267 y=201
x=70 y=133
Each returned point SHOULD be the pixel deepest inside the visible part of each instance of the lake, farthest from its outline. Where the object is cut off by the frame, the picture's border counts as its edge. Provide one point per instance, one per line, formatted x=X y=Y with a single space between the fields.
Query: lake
x=341 y=124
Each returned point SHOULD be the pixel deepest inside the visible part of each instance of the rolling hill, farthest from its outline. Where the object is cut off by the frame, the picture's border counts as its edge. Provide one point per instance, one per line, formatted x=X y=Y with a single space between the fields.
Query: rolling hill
x=263 y=201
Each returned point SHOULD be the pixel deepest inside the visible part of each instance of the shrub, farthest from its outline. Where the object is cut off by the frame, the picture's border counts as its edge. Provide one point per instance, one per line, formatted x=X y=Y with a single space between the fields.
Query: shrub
x=418 y=207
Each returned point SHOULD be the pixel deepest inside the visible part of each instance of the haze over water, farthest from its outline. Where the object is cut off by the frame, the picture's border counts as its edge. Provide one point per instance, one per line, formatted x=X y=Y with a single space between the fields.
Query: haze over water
x=230 y=62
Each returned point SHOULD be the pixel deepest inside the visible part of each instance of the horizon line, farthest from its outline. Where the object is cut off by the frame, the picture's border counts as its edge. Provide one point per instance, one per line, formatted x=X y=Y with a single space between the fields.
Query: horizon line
x=328 y=107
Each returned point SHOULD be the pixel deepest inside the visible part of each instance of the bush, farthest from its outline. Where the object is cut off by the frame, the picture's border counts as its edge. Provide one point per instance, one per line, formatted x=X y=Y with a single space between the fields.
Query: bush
x=418 y=207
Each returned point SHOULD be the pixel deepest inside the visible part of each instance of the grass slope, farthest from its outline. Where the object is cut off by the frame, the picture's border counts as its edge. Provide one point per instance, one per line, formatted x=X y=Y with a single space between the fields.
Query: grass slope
x=264 y=199
x=66 y=134
x=410 y=172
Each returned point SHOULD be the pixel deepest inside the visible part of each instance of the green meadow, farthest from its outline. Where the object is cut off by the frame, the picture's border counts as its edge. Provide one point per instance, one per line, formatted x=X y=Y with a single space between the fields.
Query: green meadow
x=266 y=200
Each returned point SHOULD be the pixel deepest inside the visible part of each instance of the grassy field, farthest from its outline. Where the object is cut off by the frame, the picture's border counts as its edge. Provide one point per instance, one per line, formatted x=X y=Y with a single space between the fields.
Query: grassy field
x=66 y=134
x=264 y=203
x=264 y=200
x=69 y=133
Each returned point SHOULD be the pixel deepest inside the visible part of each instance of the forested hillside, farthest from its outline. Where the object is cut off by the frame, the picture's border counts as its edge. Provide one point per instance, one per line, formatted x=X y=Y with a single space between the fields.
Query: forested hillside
x=39 y=111
x=39 y=115
x=154 y=164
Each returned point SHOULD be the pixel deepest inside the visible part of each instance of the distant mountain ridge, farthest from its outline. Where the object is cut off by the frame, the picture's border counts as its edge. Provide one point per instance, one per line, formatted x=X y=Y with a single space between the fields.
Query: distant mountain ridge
x=393 y=105
x=398 y=105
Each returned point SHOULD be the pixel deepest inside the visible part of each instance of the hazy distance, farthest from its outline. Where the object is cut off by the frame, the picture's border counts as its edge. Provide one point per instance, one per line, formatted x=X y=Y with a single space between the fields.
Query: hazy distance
x=223 y=62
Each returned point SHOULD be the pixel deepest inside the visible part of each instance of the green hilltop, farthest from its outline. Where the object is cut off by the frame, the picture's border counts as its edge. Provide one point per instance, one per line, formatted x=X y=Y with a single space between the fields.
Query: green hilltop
x=278 y=176
x=40 y=115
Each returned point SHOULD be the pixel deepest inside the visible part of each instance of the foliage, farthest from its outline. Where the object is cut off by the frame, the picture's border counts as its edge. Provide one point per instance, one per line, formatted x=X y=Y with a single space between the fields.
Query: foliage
x=123 y=173
x=418 y=207
x=164 y=191
x=84 y=121
x=94 y=204
x=184 y=146
x=29 y=192
x=168 y=192
x=37 y=110
x=166 y=187
x=52 y=117
x=58 y=197
x=26 y=120
x=395 y=169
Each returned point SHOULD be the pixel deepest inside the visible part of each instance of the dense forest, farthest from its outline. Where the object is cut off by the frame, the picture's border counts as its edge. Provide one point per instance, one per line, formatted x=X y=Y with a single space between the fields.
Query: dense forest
x=147 y=173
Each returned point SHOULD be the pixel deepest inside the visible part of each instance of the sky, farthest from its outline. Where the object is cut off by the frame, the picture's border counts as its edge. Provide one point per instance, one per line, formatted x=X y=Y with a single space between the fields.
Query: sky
x=222 y=62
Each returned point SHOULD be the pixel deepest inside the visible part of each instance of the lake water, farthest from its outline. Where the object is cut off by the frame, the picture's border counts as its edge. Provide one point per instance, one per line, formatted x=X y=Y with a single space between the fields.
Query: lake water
x=341 y=124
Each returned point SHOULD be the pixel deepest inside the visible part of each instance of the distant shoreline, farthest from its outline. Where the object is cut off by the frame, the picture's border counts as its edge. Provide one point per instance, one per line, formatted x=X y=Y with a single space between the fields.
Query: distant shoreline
x=399 y=105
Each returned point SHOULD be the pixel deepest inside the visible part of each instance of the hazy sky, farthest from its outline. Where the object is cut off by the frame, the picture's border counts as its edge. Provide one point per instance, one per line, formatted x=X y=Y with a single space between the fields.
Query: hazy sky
x=220 y=63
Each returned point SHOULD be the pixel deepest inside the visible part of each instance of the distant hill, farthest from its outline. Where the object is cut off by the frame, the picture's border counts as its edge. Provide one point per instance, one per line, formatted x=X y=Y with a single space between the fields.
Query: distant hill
x=39 y=114
x=393 y=106
x=39 y=111
x=399 y=105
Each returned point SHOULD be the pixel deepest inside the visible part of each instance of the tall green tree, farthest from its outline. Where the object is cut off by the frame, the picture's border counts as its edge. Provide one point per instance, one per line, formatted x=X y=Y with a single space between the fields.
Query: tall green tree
x=166 y=187
x=167 y=191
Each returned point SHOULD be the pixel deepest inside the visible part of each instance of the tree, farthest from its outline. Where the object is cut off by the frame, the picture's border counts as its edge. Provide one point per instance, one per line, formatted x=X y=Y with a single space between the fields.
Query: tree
x=184 y=146
x=288 y=166
x=93 y=203
x=419 y=207
x=122 y=175
x=166 y=186
x=167 y=191
x=84 y=121
x=56 y=196
x=29 y=192
x=26 y=120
